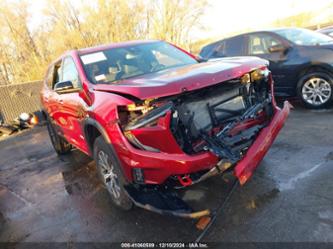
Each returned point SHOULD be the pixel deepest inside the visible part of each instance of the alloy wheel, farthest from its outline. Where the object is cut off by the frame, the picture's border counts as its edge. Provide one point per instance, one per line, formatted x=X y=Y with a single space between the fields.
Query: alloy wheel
x=110 y=178
x=316 y=91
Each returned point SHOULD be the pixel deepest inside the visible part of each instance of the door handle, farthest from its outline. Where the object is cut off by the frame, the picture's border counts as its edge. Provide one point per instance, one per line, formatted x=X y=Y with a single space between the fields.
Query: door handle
x=60 y=101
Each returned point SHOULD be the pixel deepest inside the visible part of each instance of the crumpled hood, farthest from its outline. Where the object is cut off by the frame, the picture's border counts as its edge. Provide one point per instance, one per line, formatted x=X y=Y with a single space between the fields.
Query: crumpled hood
x=186 y=78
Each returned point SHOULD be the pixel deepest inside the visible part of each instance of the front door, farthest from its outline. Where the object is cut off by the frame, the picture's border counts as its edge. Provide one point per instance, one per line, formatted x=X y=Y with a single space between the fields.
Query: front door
x=258 y=44
x=72 y=109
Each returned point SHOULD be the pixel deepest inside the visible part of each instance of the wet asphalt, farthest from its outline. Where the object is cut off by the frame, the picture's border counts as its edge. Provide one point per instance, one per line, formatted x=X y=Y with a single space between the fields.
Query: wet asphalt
x=44 y=197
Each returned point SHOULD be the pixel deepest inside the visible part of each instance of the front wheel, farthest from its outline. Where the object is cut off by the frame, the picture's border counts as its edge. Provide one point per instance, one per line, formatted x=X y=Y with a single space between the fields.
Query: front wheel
x=110 y=174
x=315 y=90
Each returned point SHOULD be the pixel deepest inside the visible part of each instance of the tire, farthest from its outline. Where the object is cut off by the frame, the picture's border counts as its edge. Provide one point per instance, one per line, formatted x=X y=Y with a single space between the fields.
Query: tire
x=109 y=171
x=315 y=90
x=60 y=145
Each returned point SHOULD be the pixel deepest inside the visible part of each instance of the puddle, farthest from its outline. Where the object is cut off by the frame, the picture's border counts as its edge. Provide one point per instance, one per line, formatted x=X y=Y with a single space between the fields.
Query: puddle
x=81 y=180
x=194 y=195
x=262 y=199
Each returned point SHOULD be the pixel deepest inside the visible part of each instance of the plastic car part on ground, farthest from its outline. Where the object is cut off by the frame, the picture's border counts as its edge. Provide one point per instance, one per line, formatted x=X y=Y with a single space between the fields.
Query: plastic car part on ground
x=163 y=202
x=23 y=121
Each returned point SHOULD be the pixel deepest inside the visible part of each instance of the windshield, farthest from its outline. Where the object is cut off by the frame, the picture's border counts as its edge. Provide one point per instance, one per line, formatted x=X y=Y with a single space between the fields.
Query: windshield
x=304 y=36
x=115 y=64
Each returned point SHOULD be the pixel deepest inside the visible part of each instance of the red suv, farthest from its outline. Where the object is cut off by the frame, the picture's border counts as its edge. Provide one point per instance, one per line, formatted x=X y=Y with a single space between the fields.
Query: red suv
x=154 y=118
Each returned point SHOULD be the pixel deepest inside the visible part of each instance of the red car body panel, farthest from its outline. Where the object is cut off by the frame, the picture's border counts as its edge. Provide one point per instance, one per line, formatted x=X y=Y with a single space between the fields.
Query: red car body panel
x=99 y=103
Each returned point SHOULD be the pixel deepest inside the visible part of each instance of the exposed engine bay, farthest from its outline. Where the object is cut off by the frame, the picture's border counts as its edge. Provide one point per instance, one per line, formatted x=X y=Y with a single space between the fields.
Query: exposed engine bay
x=223 y=118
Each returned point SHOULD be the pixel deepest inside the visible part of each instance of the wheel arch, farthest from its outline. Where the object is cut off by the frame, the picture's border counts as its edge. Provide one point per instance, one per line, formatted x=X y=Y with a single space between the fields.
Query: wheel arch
x=325 y=68
x=92 y=130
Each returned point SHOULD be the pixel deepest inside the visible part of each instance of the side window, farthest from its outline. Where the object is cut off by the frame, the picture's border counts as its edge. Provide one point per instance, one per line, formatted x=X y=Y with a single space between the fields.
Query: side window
x=260 y=43
x=70 y=73
x=219 y=50
x=207 y=51
x=56 y=74
x=234 y=46
x=49 y=76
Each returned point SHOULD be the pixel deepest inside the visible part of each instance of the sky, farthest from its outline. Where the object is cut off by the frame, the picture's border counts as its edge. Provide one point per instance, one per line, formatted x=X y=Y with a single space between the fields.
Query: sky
x=223 y=17
x=228 y=16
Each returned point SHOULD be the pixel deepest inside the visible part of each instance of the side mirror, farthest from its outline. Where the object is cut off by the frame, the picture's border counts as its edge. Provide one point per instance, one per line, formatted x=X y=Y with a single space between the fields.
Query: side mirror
x=65 y=87
x=277 y=48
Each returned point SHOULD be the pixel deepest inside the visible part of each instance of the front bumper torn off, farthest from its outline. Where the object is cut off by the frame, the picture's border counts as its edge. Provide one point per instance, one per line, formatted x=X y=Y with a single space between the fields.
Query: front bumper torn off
x=168 y=203
x=245 y=168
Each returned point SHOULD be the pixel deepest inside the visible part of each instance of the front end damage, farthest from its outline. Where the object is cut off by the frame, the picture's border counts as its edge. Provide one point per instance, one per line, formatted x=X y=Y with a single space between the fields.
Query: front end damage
x=232 y=123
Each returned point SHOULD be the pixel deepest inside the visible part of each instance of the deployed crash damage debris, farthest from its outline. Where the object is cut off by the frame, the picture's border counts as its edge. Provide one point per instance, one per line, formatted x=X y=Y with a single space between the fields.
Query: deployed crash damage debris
x=210 y=119
x=224 y=119
x=163 y=201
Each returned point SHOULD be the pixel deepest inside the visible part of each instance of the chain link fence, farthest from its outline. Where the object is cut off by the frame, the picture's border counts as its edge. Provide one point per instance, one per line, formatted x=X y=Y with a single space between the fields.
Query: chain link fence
x=18 y=98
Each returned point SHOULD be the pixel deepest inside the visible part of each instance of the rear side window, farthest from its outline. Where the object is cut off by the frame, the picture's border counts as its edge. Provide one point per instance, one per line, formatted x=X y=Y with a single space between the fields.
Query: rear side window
x=234 y=46
x=53 y=74
x=229 y=47
x=57 y=73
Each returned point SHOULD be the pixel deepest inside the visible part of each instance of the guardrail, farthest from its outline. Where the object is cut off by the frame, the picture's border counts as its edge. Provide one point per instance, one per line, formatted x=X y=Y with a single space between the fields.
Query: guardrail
x=18 y=98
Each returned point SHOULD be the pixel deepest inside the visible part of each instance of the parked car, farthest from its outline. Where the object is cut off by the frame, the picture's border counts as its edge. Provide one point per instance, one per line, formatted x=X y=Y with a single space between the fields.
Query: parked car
x=327 y=31
x=301 y=61
x=156 y=119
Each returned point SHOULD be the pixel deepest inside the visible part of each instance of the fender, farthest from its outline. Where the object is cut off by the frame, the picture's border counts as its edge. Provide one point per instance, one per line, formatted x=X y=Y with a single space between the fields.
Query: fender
x=99 y=127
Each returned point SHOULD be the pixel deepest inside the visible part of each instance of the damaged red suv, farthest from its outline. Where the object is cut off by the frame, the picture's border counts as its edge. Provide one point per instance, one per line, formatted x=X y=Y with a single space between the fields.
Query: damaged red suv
x=156 y=119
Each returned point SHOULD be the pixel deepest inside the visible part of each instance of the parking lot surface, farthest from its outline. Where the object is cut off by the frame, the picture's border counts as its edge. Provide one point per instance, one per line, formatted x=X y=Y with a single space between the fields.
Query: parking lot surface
x=44 y=197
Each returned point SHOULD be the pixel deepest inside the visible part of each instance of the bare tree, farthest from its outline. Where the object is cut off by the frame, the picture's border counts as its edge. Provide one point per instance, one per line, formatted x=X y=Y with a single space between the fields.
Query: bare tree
x=174 y=19
x=69 y=24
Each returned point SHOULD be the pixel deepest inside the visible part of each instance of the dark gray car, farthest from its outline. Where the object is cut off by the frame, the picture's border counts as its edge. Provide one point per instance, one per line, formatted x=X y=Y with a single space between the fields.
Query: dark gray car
x=301 y=60
x=327 y=31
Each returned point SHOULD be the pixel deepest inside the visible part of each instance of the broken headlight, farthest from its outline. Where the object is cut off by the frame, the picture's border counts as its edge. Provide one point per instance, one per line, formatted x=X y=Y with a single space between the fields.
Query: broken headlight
x=142 y=116
x=259 y=74
x=137 y=143
x=255 y=75
x=149 y=117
